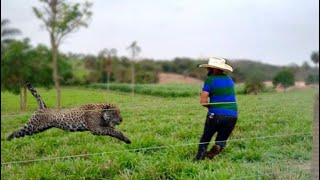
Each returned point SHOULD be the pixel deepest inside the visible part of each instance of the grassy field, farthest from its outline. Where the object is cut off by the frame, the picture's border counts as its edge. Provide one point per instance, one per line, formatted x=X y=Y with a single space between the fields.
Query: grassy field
x=272 y=139
x=161 y=90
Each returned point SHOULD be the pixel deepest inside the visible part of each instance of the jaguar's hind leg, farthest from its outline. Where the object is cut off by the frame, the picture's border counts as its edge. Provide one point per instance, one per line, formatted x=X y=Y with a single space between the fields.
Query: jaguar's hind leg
x=30 y=128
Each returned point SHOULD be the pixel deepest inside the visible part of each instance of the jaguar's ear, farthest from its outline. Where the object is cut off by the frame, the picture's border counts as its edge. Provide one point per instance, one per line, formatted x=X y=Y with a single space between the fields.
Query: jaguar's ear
x=111 y=106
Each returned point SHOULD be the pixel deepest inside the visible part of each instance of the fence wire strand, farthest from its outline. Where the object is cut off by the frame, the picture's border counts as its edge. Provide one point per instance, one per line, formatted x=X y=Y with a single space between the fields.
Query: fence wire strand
x=147 y=148
x=265 y=174
x=51 y=111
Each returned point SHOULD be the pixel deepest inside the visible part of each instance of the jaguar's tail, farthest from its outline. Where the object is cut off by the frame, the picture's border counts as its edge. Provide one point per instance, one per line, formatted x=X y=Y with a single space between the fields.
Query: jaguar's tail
x=41 y=103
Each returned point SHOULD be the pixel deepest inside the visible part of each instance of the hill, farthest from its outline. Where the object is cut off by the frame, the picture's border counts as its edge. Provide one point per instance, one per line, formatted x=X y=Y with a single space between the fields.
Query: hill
x=243 y=68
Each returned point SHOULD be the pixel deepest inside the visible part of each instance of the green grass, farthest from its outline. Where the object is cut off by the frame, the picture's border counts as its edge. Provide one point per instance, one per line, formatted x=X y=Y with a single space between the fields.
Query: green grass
x=168 y=90
x=152 y=121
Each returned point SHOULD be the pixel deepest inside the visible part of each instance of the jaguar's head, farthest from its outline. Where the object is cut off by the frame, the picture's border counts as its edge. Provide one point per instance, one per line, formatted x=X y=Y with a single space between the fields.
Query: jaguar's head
x=112 y=117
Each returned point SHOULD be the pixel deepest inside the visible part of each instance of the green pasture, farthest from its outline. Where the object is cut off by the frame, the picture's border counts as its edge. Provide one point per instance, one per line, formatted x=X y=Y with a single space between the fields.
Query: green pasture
x=272 y=139
x=168 y=90
x=162 y=90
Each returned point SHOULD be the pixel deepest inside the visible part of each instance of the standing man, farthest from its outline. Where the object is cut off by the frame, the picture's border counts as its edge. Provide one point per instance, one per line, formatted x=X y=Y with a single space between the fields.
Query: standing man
x=222 y=109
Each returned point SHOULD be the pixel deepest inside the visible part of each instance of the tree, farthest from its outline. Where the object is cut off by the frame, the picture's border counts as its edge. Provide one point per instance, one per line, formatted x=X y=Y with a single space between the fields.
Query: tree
x=305 y=66
x=135 y=50
x=285 y=77
x=27 y=62
x=60 y=19
x=312 y=79
x=294 y=68
x=146 y=72
x=107 y=55
x=315 y=57
x=7 y=33
x=254 y=83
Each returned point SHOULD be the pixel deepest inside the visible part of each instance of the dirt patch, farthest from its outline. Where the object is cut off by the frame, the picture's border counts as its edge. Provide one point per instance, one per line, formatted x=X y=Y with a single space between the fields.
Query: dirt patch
x=171 y=78
x=300 y=84
x=268 y=83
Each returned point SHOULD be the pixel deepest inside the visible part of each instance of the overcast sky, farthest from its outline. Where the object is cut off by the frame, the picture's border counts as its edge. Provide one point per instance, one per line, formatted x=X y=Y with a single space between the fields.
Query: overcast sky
x=277 y=32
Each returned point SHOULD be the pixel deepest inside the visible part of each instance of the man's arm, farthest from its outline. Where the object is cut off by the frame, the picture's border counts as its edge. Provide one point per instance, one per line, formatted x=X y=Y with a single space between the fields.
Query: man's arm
x=204 y=99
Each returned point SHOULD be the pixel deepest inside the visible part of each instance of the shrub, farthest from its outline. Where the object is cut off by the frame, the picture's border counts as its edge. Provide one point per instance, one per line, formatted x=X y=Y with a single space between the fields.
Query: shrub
x=254 y=84
x=285 y=77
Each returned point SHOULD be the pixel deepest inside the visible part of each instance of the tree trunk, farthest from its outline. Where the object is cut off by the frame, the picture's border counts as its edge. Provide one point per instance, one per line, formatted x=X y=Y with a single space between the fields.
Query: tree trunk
x=55 y=70
x=108 y=70
x=24 y=98
x=55 y=52
x=133 y=73
x=108 y=80
x=132 y=78
x=56 y=77
x=21 y=99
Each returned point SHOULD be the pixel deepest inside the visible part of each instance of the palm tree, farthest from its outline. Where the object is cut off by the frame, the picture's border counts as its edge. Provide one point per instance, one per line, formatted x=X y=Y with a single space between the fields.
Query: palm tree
x=7 y=33
x=135 y=50
x=315 y=57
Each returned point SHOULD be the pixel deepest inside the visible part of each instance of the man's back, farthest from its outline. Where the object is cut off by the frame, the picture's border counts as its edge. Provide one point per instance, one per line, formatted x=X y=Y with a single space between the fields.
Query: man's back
x=222 y=95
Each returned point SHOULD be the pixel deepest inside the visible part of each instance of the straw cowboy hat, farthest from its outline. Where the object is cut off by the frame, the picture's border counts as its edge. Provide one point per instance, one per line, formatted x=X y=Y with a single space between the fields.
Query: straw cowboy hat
x=218 y=63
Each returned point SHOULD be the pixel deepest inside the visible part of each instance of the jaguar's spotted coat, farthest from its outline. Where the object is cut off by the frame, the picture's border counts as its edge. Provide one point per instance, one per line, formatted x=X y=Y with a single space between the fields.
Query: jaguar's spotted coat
x=100 y=119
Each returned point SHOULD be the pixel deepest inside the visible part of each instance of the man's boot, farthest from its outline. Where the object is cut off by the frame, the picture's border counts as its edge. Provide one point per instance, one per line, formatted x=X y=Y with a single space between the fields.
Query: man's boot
x=201 y=154
x=215 y=150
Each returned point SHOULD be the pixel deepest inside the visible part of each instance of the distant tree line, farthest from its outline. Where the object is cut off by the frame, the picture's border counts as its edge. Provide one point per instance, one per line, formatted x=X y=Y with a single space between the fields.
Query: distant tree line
x=81 y=69
x=86 y=69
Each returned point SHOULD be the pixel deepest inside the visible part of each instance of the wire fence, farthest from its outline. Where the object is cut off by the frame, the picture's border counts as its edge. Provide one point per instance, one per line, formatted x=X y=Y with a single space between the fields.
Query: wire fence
x=132 y=108
x=72 y=110
x=315 y=152
x=148 y=148
x=54 y=111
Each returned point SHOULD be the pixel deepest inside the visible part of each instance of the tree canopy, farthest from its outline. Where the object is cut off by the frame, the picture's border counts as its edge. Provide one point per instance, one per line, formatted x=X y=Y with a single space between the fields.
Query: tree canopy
x=285 y=78
x=61 y=19
x=7 y=33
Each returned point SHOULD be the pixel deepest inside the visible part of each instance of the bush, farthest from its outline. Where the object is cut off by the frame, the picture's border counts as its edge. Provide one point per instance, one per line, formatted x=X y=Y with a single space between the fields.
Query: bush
x=254 y=84
x=285 y=77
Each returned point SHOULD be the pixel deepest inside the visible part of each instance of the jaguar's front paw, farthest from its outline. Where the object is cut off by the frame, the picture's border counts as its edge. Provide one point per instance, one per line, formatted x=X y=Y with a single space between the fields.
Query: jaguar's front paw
x=127 y=141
